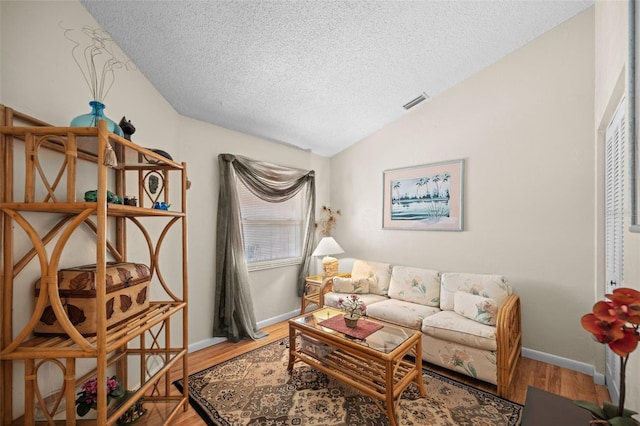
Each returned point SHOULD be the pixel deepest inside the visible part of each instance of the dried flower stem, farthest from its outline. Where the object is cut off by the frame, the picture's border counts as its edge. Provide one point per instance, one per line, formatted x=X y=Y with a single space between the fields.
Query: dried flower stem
x=96 y=60
x=328 y=221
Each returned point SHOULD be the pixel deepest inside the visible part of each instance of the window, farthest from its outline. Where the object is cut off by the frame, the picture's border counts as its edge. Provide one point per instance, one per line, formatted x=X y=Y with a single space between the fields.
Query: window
x=273 y=232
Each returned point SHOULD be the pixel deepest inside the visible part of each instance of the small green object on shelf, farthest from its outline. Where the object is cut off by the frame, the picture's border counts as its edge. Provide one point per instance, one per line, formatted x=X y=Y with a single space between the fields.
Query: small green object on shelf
x=133 y=413
x=92 y=197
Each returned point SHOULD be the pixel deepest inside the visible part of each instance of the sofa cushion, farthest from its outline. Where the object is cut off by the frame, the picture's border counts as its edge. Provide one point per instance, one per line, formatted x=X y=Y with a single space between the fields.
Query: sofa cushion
x=481 y=309
x=331 y=298
x=485 y=285
x=351 y=285
x=380 y=272
x=452 y=327
x=415 y=285
x=399 y=312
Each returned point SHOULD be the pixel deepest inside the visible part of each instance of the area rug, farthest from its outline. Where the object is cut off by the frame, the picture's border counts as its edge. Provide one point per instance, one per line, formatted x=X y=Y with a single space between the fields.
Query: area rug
x=256 y=389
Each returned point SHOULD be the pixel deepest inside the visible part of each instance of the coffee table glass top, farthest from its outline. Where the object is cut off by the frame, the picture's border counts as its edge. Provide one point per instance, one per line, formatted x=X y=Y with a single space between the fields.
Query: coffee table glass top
x=384 y=340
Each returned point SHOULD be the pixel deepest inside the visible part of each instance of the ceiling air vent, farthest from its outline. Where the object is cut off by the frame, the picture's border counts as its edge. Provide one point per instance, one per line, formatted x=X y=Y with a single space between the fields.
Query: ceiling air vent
x=416 y=101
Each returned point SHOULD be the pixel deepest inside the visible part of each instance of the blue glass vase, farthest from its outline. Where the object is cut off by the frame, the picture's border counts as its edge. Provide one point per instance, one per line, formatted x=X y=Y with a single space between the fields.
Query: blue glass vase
x=91 y=119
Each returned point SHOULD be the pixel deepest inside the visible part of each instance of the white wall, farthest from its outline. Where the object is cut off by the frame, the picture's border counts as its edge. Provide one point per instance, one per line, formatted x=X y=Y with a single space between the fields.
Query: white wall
x=524 y=127
x=39 y=77
x=611 y=19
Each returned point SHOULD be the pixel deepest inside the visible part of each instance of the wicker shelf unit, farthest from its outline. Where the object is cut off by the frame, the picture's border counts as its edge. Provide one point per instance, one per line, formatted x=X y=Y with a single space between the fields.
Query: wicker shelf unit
x=31 y=190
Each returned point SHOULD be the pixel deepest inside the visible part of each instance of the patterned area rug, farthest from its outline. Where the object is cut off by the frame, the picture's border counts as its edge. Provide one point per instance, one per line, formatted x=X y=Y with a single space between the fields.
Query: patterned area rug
x=256 y=389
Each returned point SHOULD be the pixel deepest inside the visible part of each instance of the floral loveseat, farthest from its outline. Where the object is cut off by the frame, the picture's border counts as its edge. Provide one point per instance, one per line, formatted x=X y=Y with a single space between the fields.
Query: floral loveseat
x=470 y=323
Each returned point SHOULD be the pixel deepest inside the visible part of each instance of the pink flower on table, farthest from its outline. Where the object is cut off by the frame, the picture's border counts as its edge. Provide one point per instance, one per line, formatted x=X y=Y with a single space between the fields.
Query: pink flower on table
x=352 y=305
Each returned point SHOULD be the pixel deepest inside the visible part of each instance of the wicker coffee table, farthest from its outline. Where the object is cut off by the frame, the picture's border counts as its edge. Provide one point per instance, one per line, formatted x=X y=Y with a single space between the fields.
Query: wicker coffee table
x=375 y=365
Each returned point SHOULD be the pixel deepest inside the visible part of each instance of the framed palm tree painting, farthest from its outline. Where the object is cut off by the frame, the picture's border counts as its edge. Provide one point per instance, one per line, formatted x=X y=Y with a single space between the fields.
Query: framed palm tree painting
x=426 y=197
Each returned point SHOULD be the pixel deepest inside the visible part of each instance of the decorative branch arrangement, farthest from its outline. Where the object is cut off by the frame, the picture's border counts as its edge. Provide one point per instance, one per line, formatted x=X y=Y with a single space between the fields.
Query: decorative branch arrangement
x=93 y=52
x=327 y=221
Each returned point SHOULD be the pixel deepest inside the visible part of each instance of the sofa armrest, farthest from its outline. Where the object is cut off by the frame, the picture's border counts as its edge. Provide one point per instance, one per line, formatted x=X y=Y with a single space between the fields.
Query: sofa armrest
x=509 y=341
x=325 y=287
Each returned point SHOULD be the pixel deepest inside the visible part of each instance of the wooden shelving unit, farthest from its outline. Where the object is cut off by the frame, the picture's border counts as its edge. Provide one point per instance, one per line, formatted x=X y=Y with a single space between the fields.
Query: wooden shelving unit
x=28 y=188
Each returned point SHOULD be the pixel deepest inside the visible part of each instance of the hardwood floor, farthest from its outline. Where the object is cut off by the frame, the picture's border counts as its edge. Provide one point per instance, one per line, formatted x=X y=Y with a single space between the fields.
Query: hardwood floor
x=561 y=381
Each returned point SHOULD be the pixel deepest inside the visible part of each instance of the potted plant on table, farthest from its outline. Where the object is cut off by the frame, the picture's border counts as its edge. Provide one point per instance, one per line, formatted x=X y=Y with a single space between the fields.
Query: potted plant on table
x=615 y=322
x=354 y=308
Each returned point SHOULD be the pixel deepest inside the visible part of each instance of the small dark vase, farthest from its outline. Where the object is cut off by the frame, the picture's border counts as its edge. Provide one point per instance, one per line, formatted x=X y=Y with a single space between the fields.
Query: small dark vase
x=91 y=119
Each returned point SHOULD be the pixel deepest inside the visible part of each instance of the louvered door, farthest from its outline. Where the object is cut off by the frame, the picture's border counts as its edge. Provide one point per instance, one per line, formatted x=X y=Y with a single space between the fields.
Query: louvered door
x=615 y=137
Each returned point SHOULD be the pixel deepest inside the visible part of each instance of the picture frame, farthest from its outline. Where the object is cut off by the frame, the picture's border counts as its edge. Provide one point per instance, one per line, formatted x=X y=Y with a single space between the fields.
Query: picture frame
x=428 y=197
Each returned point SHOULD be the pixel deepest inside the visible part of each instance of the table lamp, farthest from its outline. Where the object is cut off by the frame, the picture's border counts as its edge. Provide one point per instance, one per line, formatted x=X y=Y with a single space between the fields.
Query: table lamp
x=327 y=246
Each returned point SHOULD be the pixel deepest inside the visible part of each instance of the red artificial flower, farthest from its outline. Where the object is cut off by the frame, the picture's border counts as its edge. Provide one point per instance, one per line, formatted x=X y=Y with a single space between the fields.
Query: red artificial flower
x=604 y=331
x=605 y=311
x=614 y=322
x=627 y=344
x=626 y=302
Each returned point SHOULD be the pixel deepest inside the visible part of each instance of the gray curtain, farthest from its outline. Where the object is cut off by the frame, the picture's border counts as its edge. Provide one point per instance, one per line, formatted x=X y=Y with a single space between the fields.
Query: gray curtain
x=233 y=307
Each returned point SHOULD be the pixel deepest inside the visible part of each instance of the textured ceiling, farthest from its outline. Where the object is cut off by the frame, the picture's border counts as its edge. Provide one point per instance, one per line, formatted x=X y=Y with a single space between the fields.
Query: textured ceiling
x=320 y=75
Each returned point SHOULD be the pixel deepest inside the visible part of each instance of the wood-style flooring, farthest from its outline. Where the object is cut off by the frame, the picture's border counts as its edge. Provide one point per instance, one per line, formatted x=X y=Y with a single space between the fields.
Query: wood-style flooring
x=561 y=381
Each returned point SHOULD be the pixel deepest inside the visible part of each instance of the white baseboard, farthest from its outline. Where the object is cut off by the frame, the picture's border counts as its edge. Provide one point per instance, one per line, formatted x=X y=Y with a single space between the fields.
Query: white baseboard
x=571 y=364
x=279 y=318
x=205 y=343
x=215 y=340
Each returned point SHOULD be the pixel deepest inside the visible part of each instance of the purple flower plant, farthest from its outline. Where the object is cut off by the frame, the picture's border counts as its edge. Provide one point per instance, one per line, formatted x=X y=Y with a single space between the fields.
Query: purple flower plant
x=88 y=398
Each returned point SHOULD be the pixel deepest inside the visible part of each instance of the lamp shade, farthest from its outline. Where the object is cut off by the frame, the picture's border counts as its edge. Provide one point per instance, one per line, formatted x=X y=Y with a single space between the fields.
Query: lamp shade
x=327 y=246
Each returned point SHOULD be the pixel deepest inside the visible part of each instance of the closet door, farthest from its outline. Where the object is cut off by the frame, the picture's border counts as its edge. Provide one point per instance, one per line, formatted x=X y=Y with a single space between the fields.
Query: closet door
x=615 y=137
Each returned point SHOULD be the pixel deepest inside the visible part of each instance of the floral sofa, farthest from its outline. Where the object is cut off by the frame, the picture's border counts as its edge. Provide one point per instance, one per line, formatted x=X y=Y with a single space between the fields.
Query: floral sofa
x=470 y=323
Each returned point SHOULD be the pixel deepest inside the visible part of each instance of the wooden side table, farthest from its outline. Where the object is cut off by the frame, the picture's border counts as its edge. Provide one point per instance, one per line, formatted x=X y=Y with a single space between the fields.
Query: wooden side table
x=313 y=286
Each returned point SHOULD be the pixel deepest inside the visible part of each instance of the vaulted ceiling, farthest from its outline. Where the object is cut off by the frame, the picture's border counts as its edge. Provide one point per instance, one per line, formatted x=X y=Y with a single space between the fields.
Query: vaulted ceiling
x=320 y=75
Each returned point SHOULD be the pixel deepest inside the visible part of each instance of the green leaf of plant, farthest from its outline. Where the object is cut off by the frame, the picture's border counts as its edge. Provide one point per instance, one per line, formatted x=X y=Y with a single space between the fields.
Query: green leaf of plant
x=82 y=410
x=118 y=391
x=593 y=408
x=622 y=421
x=611 y=410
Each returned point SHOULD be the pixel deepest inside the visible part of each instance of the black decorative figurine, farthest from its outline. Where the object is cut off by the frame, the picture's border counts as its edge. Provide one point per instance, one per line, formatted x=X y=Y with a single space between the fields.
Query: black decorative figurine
x=127 y=128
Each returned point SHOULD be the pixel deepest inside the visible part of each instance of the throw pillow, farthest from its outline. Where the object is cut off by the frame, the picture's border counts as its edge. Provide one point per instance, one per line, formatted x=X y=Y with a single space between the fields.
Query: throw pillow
x=379 y=272
x=416 y=285
x=478 y=308
x=351 y=285
x=486 y=285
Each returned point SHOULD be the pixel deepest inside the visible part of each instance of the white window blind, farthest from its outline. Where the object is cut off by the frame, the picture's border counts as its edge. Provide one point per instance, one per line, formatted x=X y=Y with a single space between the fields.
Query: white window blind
x=272 y=232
